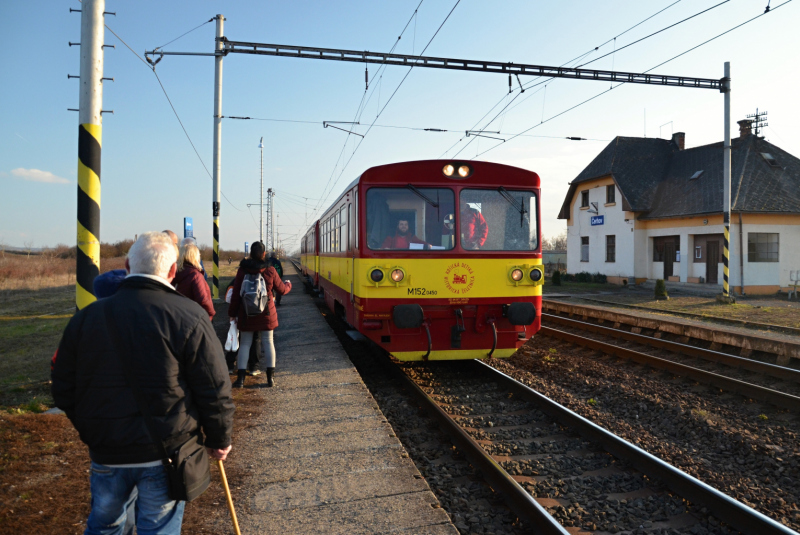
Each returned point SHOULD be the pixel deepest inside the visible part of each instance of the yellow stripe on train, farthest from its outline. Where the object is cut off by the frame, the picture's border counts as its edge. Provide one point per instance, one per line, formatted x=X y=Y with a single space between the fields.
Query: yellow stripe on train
x=432 y=278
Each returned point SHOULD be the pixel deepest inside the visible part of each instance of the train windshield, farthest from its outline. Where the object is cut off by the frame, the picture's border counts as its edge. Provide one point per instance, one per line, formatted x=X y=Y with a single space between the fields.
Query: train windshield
x=412 y=218
x=498 y=220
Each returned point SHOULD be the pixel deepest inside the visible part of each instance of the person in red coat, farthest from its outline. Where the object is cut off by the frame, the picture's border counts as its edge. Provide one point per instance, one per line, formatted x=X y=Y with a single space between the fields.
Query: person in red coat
x=189 y=280
x=474 y=229
x=402 y=238
x=265 y=322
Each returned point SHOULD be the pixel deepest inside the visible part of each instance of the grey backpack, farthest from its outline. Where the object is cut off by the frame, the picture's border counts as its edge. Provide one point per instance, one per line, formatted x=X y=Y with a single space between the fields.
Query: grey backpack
x=255 y=297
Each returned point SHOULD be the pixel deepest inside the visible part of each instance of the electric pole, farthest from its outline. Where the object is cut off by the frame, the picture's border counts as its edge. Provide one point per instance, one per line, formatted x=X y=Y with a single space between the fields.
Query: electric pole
x=261 y=197
x=90 y=127
x=217 y=167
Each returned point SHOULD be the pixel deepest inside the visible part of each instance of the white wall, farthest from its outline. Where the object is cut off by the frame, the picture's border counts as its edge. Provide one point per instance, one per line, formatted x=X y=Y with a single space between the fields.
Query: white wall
x=771 y=273
x=614 y=224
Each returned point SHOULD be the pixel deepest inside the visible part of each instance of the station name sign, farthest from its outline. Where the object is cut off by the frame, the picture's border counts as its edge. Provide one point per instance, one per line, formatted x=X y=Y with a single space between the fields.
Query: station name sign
x=598 y=220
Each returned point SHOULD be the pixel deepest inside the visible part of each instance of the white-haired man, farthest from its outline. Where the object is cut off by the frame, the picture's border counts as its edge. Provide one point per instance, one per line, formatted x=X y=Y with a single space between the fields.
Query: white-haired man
x=170 y=349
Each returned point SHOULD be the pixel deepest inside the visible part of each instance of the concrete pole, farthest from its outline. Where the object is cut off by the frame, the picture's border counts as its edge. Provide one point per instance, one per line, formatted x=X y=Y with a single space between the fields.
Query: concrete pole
x=272 y=217
x=217 y=150
x=261 y=197
x=726 y=177
x=90 y=126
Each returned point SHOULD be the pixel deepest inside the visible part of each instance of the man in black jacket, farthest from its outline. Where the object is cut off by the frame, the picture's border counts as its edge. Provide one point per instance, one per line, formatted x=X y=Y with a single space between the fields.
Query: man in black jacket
x=179 y=365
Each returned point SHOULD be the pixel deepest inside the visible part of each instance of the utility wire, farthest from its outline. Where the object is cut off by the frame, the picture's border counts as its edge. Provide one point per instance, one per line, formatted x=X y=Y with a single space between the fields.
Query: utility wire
x=187 y=33
x=363 y=104
x=152 y=68
x=645 y=72
x=389 y=100
x=655 y=33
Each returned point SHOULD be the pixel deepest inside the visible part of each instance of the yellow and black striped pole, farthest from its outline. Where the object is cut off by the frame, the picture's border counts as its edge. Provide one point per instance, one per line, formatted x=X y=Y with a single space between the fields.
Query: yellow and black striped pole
x=89 y=147
x=725 y=88
x=88 y=259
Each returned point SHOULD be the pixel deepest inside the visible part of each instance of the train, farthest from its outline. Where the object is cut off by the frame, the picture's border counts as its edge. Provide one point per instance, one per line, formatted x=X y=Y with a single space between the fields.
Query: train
x=433 y=260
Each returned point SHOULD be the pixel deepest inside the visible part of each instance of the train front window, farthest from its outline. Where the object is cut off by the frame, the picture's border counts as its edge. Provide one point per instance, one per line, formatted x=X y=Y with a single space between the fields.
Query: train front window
x=410 y=218
x=498 y=220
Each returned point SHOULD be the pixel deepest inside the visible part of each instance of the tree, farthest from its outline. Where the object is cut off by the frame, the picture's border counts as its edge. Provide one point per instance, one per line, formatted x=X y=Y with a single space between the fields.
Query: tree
x=28 y=246
x=557 y=243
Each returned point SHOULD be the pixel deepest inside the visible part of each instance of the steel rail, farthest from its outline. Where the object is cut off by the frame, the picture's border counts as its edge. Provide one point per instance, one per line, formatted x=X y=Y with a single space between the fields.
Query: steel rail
x=772 y=370
x=732 y=512
x=518 y=499
x=382 y=58
x=775 y=397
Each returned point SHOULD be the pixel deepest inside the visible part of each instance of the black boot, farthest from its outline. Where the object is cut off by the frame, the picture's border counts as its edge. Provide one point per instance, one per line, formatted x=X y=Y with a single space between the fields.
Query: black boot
x=270 y=375
x=240 y=380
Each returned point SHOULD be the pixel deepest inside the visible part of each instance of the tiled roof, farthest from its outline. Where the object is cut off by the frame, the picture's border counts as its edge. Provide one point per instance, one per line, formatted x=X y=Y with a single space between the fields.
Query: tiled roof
x=654 y=177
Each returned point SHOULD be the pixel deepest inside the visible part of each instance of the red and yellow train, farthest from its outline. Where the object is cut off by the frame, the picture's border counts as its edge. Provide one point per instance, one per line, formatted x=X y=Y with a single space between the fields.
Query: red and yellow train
x=433 y=260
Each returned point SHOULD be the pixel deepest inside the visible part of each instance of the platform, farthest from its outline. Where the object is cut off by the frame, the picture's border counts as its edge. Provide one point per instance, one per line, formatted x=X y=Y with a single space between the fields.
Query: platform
x=323 y=458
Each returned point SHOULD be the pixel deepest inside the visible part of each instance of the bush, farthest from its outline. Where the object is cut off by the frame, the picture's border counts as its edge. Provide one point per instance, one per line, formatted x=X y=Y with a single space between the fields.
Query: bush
x=599 y=278
x=661 y=290
x=556 y=278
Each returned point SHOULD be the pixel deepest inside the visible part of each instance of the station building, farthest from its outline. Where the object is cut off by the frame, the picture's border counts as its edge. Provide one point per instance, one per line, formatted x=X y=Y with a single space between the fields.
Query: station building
x=647 y=209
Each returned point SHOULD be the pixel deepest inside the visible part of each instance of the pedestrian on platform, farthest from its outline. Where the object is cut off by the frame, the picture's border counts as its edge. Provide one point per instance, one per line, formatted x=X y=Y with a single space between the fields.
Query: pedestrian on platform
x=189 y=280
x=145 y=343
x=276 y=263
x=264 y=322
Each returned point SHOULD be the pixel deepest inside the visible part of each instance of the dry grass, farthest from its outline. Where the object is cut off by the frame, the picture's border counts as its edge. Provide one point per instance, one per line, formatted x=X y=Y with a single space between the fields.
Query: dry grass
x=767 y=309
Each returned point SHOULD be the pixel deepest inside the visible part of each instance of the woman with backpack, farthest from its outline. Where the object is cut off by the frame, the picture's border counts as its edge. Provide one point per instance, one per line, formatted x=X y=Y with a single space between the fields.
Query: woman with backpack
x=253 y=309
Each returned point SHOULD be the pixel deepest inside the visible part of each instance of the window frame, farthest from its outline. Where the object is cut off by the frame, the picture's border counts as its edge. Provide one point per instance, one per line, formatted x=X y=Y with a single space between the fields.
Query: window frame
x=585 y=198
x=611 y=247
x=586 y=245
x=753 y=253
x=611 y=194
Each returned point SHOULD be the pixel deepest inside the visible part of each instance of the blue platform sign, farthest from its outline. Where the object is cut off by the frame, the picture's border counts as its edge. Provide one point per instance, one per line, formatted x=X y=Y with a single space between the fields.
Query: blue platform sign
x=188 y=227
x=598 y=220
x=247 y=247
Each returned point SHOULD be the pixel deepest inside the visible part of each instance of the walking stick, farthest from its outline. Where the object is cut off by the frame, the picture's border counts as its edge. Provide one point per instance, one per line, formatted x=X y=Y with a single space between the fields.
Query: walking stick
x=230 y=499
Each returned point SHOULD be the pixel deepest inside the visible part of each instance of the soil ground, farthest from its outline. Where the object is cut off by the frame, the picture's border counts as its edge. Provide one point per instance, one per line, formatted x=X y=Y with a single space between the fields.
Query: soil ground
x=769 y=309
x=44 y=467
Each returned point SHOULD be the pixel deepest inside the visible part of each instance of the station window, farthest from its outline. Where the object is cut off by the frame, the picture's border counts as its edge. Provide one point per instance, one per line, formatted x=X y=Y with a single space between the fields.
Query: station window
x=584 y=248
x=762 y=247
x=611 y=248
x=585 y=199
x=611 y=192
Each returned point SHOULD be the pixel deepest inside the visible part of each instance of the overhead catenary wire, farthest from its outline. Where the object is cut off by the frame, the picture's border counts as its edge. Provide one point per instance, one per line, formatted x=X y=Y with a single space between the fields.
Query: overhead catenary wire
x=388 y=101
x=185 y=34
x=645 y=72
x=363 y=104
x=188 y=137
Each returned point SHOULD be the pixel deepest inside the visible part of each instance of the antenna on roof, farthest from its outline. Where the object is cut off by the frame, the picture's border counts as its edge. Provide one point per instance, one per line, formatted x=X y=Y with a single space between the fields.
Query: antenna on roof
x=759 y=121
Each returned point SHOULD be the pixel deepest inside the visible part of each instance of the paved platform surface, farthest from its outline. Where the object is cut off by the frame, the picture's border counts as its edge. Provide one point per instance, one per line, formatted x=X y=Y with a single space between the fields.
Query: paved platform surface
x=323 y=458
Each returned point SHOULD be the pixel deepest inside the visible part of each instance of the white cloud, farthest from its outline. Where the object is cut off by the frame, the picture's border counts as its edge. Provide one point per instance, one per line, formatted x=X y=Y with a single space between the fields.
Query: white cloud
x=37 y=175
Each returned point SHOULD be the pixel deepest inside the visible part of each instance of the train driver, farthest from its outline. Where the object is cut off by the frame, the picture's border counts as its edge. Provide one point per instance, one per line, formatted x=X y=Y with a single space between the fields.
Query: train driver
x=474 y=229
x=402 y=238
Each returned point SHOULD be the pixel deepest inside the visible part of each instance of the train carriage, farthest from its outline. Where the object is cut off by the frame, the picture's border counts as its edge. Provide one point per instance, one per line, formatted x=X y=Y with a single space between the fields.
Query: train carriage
x=434 y=260
x=309 y=255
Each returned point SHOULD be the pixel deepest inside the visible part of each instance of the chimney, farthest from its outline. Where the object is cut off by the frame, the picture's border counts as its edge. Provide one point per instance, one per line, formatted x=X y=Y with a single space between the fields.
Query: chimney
x=679 y=138
x=744 y=127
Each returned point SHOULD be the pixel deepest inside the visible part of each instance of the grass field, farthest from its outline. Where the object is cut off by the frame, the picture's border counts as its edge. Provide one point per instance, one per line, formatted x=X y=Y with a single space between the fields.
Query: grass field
x=33 y=313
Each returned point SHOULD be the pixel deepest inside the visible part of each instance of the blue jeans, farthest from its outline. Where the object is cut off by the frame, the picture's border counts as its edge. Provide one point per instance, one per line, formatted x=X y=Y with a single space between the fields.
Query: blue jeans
x=115 y=489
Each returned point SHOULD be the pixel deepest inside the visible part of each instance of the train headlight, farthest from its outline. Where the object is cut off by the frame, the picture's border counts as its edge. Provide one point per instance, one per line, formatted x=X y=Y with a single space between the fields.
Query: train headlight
x=463 y=171
x=448 y=170
x=398 y=275
x=536 y=275
x=517 y=274
x=376 y=275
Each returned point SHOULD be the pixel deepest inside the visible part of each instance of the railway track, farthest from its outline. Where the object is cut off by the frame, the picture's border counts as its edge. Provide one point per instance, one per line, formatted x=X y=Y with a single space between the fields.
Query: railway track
x=781 y=386
x=557 y=469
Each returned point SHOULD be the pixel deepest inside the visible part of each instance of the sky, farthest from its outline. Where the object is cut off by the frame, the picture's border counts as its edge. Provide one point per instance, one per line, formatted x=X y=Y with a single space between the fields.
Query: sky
x=152 y=177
